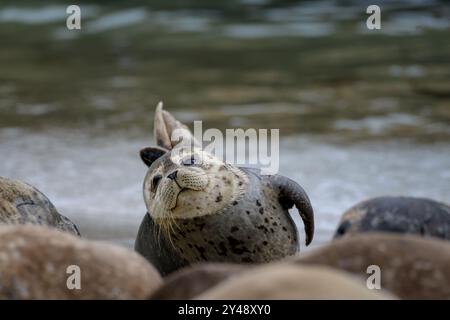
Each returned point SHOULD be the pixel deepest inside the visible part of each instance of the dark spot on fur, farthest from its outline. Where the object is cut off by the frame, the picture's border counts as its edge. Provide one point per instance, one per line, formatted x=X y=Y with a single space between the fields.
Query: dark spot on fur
x=190 y=245
x=240 y=183
x=284 y=228
x=247 y=212
x=266 y=220
x=223 y=249
x=261 y=210
x=201 y=251
x=236 y=246
x=271 y=230
x=274 y=224
x=219 y=198
x=235 y=203
x=200 y=226
x=258 y=203
x=265 y=243
x=262 y=227
x=234 y=229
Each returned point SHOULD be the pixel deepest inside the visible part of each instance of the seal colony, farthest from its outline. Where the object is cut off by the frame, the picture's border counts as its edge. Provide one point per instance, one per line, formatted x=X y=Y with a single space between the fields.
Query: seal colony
x=412 y=267
x=214 y=222
x=21 y=203
x=203 y=209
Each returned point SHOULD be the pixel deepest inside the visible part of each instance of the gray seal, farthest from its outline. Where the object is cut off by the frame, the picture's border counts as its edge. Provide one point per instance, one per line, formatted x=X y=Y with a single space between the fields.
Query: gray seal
x=21 y=203
x=203 y=209
x=409 y=215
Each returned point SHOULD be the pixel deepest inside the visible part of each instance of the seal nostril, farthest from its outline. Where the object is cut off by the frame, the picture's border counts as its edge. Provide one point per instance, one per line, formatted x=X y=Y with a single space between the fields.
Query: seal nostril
x=173 y=175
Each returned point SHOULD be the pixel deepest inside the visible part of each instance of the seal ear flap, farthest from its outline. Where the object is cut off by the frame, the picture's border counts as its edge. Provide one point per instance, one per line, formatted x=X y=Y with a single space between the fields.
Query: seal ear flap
x=291 y=193
x=151 y=154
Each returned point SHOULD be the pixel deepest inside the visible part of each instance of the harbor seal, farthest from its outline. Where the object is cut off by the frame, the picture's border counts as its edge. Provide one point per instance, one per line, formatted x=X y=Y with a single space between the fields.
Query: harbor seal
x=286 y=281
x=411 y=267
x=191 y=281
x=21 y=203
x=38 y=262
x=399 y=215
x=203 y=209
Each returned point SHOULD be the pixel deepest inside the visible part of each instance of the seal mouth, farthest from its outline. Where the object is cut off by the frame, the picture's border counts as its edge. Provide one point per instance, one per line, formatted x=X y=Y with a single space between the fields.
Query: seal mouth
x=177 y=195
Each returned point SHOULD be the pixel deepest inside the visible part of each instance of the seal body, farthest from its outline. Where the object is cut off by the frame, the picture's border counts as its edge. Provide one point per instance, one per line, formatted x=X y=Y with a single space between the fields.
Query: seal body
x=21 y=203
x=287 y=281
x=200 y=208
x=189 y=282
x=37 y=262
x=399 y=215
x=255 y=228
x=410 y=266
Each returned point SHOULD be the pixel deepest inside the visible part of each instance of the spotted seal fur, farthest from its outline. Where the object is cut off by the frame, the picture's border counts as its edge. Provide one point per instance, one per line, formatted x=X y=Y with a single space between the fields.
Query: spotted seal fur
x=21 y=203
x=203 y=209
x=410 y=215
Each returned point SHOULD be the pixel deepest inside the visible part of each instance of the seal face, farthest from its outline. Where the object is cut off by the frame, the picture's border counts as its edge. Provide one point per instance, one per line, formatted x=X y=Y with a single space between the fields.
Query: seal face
x=21 y=203
x=399 y=215
x=190 y=183
x=203 y=209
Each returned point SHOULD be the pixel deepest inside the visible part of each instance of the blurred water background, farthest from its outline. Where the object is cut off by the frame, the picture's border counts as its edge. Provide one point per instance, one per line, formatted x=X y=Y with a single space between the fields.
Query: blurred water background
x=361 y=113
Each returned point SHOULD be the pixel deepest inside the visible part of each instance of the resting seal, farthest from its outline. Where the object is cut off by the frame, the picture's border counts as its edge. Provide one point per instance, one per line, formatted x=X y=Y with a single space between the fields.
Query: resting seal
x=287 y=281
x=35 y=261
x=202 y=209
x=411 y=267
x=397 y=214
x=21 y=203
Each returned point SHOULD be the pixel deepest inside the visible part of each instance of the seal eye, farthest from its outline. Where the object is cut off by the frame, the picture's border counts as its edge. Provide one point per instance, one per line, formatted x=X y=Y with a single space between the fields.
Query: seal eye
x=189 y=161
x=155 y=181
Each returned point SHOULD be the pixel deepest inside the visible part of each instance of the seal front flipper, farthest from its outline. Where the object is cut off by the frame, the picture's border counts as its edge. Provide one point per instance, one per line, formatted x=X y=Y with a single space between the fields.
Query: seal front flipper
x=291 y=193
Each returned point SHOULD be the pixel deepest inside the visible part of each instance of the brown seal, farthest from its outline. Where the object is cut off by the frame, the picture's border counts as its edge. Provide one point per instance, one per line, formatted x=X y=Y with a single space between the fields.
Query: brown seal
x=411 y=267
x=287 y=281
x=37 y=263
x=191 y=281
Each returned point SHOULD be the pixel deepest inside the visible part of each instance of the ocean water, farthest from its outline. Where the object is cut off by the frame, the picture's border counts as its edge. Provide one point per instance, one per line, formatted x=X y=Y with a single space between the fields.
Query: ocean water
x=97 y=181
